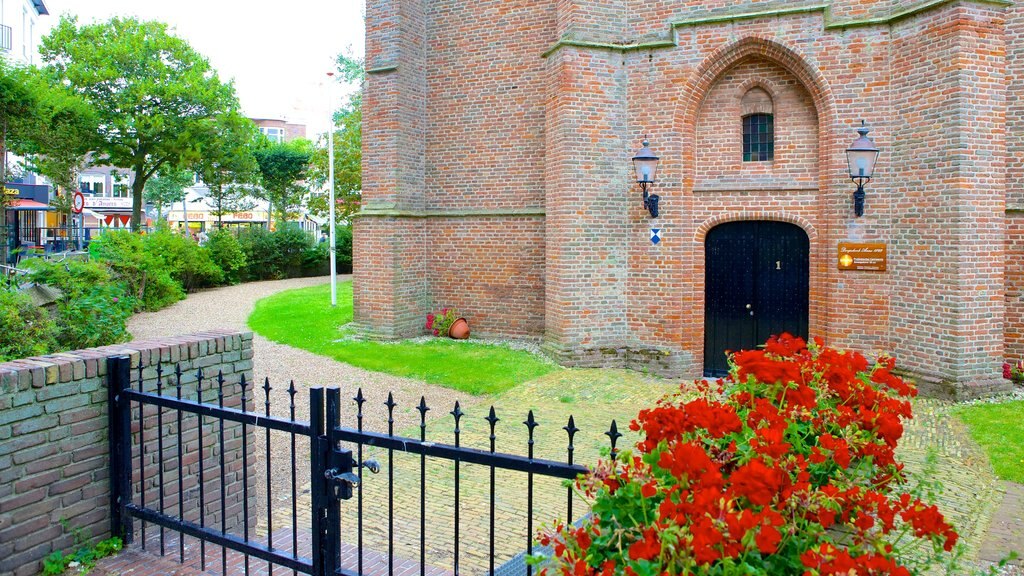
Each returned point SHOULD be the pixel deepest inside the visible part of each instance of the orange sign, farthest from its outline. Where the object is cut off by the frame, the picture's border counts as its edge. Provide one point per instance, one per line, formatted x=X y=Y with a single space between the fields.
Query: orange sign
x=870 y=257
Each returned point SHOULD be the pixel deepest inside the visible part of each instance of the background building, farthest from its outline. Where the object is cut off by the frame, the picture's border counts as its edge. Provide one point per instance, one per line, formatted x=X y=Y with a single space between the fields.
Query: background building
x=500 y=180
x=279 y=130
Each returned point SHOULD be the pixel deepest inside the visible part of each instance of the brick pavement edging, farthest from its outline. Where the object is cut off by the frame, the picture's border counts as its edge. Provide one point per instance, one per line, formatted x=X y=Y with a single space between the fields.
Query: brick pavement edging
x=54 y=487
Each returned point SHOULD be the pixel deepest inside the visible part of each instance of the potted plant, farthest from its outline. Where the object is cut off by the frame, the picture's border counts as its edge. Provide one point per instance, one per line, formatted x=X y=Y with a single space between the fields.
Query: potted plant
x=1014 y=372
x=447 y=322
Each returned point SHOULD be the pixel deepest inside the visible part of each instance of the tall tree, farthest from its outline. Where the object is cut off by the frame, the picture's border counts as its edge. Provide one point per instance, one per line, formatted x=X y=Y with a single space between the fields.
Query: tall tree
x=58 y=136
x=227 y=164
x=283 y=168
x=17 y=102
x=154 y=95
x=348 y=148
x=168 y=186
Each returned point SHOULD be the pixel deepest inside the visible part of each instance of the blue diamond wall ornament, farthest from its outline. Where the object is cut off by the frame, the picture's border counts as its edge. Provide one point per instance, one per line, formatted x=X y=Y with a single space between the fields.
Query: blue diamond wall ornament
x=655 y=235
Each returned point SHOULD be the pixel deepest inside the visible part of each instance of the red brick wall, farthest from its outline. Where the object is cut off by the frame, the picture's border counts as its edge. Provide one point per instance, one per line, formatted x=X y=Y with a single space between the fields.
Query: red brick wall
x=54 y=464
x=491 y=270
x=558 y=132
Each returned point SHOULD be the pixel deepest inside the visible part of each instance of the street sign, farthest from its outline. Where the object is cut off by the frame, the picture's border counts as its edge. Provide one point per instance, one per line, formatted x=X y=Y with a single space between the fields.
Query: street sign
x=78 y=202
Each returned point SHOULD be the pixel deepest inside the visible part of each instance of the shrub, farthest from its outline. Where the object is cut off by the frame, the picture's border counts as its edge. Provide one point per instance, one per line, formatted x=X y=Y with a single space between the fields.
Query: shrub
x=284 y=253
x=188 y=263
x=25 y=329
x=291 y=244
x=226 y=252
x=785 y=467
x=316 y=260
x=93 y=309
x=258 y=246
x=147 y=279
x=343 y=248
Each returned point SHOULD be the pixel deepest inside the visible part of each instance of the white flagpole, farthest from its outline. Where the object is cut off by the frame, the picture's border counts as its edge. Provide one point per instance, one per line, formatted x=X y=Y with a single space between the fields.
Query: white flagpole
x=330 y=184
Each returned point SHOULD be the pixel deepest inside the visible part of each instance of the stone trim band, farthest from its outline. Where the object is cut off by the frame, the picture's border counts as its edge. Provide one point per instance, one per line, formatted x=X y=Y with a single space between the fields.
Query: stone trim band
x=732 y=17
x=397 y=213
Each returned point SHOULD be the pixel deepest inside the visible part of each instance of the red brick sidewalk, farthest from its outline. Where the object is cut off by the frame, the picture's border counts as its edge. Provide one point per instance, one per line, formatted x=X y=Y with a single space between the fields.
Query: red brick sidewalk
x=136 y=562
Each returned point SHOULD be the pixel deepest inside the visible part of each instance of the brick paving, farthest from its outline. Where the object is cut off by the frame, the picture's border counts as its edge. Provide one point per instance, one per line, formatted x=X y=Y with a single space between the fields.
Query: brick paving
x=980 y=506
x=935 y=444
x=150 y=562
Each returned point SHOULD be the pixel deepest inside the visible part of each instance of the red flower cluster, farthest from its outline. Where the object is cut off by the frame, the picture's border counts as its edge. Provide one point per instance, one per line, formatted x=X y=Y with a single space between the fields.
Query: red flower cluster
x=760 y=470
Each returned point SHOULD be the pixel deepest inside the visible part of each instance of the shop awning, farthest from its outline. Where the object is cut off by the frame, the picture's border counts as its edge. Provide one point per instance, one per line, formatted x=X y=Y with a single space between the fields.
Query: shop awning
x=23 y=204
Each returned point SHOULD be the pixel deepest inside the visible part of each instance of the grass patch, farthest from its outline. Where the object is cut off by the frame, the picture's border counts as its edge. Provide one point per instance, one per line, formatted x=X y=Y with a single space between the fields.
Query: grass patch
x=996 y=427
x=303 y=318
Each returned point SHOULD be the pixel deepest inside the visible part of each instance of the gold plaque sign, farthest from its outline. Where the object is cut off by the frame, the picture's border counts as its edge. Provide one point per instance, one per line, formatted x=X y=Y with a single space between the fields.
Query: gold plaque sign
x=866 y=257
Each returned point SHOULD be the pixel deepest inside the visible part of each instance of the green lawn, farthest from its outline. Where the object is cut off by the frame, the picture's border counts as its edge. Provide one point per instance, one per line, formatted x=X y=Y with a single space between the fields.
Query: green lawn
x=997 y=428
x=303 y=318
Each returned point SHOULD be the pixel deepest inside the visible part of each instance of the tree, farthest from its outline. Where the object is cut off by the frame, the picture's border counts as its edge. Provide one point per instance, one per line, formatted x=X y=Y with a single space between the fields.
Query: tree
x=227 y=165
x=283 y=169
x=348 y=148
x=17 y=101
x=155 y=97
x=57 y=137
x=167 y=187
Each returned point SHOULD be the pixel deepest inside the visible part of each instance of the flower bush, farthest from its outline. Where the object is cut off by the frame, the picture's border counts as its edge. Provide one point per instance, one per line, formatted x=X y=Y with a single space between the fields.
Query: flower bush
x=1014 y=372
x=440 y=322
x=787 y=466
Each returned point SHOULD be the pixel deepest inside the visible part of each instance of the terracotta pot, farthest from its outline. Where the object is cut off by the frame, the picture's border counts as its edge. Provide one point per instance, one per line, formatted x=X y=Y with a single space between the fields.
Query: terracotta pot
x=459 y=329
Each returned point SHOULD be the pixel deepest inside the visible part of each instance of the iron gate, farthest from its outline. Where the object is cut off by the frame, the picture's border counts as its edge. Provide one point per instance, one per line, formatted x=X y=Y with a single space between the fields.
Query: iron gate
x=202 y=502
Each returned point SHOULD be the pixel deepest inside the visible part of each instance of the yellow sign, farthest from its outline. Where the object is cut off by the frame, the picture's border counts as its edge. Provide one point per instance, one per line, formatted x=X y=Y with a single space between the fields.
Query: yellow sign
x=871 y=257
x=10 y=191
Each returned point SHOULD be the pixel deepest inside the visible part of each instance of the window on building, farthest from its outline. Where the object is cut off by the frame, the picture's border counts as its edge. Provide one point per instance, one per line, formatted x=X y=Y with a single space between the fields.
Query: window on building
x=92 y=184
x=273 y=134
x=758 y=126
x=758 y=138
x=120 y=190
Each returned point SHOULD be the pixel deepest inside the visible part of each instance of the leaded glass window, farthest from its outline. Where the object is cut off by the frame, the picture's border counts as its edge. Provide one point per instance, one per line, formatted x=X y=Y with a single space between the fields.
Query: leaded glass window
x=758 y=138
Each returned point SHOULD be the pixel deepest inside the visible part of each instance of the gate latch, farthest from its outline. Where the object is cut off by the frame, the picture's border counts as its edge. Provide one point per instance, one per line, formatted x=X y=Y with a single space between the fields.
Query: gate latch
x=339 y=476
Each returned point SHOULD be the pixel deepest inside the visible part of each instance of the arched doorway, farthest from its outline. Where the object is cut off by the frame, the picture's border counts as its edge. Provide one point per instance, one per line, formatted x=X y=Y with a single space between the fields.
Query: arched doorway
x=757 y=282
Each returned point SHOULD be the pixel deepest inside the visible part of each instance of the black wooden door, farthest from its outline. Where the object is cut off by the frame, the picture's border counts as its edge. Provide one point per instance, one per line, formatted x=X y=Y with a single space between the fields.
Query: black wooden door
x=756 y=285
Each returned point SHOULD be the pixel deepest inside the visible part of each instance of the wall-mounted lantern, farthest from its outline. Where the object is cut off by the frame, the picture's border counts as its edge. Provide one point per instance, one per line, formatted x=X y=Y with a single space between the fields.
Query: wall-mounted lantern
x=645 y=163
x=861 y=157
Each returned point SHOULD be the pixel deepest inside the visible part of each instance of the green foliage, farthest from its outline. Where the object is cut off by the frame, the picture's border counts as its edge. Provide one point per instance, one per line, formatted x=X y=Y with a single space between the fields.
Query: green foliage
x=190 y=264
x=147 y=279
x=153 y=94
x=86 y=557
x=25 y=329
x=227 y=165
x=166 y=187
x=343 y=248
x=282 y=169
x=227 y=253
x=304 y=318
x=285 y=253
x=16 y=101
x=57 y=134
x=996 y=427
x=348 y=149
x=93 y=309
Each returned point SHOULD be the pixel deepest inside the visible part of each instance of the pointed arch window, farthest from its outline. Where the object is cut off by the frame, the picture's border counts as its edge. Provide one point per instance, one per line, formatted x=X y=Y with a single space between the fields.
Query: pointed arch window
x=758 y=126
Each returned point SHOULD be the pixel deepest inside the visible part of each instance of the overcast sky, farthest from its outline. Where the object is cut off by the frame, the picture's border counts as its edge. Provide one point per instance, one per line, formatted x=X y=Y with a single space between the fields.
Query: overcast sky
x=278 y=53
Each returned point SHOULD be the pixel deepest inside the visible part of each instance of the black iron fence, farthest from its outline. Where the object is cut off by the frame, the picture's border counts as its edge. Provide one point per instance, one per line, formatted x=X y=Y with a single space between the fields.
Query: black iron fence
x=182 y=463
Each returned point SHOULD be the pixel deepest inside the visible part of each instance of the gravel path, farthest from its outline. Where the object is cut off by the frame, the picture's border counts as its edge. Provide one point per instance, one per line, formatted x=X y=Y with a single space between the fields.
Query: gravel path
x=229 y=307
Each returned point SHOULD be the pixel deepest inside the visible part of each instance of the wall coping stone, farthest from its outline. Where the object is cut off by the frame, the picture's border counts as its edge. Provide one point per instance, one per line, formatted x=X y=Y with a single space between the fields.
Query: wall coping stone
x=49 y=365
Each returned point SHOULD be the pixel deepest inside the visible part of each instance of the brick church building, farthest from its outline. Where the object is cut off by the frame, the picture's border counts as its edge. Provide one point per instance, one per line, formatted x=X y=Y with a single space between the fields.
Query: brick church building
x=497 y=178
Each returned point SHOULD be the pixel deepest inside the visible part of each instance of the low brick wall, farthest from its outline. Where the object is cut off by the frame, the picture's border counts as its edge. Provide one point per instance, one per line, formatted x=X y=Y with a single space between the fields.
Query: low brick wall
x=54 y=465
